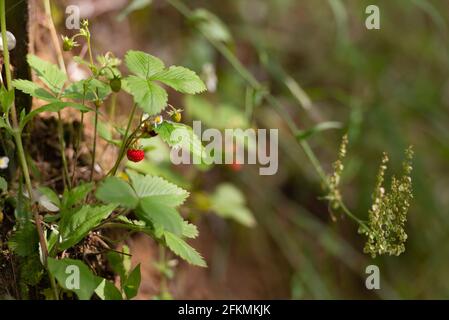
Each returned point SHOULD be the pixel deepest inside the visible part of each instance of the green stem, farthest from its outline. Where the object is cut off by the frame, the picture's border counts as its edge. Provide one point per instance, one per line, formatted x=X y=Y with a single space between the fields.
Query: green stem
x=65 y=167
x=79 y=138
x=89 y=49
x=124 y=142
x=94 y=148
x=113 y=107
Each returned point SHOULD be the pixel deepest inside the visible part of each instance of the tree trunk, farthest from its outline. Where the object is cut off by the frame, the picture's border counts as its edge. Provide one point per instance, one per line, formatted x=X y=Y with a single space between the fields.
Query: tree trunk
x=17 y=18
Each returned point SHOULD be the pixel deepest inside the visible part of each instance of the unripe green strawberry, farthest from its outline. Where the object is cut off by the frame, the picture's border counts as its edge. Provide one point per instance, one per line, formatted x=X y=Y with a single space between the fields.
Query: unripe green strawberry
x=115 y=84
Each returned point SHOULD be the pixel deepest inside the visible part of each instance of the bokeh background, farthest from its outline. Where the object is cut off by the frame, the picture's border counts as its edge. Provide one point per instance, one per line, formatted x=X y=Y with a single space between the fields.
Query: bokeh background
x=387 y=88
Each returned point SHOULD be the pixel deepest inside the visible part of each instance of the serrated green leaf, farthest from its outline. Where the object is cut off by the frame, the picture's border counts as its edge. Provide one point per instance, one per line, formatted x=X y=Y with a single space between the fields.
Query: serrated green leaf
x=183 y=250
x=106 y=290
x=149 y=97
x=143 y=64
x=33 y=90
x=116 y=190
x=181 y=79
x=154 y=211
x=157 y=188
x=24 y=242
x=31 y=270
x=49 y=73
x=75 y=276
x=75 y=227
x=132 y=283
x=189 y=230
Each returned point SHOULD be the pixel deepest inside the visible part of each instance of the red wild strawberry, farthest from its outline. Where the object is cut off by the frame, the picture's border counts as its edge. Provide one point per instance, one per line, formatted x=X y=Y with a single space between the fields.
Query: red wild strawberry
x=135 y=155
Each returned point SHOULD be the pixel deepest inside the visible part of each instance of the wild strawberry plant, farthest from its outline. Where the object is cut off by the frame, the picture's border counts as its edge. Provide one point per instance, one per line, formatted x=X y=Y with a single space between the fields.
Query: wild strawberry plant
x=50 y=228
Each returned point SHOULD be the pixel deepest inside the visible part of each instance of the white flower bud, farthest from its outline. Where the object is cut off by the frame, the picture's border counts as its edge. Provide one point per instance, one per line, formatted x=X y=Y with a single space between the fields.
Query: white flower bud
x=11 y=41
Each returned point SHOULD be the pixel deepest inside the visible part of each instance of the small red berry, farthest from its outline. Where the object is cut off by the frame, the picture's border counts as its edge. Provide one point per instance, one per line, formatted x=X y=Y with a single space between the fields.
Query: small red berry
x=135 y=155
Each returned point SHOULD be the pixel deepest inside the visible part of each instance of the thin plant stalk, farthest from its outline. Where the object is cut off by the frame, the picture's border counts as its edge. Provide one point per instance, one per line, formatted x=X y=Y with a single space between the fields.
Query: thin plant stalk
x=124 y=142
x=78 y=140
x=94 y=148
x=113 y=107
x=62 y=146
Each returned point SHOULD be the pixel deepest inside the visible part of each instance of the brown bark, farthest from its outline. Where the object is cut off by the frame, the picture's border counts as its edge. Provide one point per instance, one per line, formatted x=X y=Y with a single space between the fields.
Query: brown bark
x=17 y=18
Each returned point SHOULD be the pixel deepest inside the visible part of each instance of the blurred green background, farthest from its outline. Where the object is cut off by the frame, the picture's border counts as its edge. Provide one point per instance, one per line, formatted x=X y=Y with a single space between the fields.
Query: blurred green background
x=388 y=88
